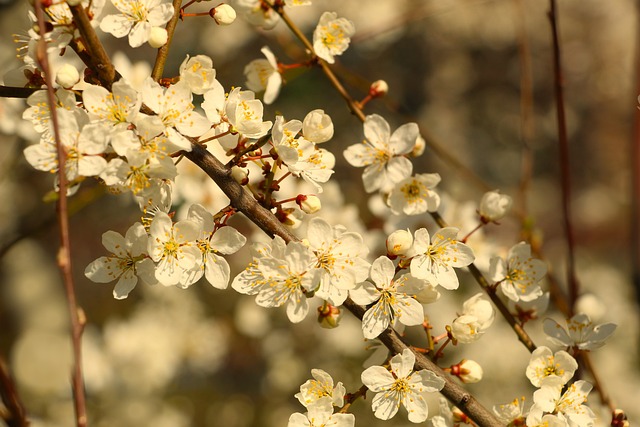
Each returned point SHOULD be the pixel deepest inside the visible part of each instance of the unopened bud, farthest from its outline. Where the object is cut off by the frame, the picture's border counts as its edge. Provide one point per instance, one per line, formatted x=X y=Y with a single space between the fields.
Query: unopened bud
x=378 y=88
x=468 y=371
x=223 y=14
x=317 y=127
x=329 y=316
x=419 y=147
x=619 y=419
x=67 y=76
x=309 y=204
x=399 y=242
x=241 y=175
x=494 y=206
x=158 y=37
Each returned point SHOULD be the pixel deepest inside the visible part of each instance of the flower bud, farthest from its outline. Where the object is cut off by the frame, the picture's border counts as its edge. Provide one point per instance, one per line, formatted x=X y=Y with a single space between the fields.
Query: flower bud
x=309 y=204
x=494 y=206
x=317 y=127
x=419 y=147
x=223 y=14
x=241 y=175
x=158 y=37
x=399 y=242
x=67 y=76
x=468 y=371
x=329 y=316
x=378 y=88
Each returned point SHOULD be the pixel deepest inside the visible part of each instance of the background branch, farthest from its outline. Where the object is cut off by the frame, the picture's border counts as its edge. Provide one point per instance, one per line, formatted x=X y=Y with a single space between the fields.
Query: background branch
x=64 y=255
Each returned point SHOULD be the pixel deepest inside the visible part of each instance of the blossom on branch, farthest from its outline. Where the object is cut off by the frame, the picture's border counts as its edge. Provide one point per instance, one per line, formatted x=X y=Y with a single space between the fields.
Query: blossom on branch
x=332 y=36
x=127 y=263
x=401 y=386
x=436 y=258
x=136 y=19
x=382 y=154
x=393 y=299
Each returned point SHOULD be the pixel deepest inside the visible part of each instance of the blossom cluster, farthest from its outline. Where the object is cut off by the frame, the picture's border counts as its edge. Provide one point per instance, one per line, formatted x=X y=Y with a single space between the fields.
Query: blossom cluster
x=130 y=136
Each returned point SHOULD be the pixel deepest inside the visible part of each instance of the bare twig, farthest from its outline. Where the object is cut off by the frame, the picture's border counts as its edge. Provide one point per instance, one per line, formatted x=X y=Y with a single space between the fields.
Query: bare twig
x=163 y=52
x=526 y=115
x=64 y=254
x=16 y=415
x=565 y=166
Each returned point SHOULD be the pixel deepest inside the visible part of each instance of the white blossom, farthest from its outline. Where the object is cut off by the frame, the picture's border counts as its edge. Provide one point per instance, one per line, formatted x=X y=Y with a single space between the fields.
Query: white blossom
x=519 y=275
x=543 y=365
x=341 y=257
x=415 y=195
x=317 y=127
x=136 y=19
x=494 y=206
x=128 y=261
x=198 y=73
x=477 y=315
x=580 y=333
x=212 y=242
x=173 y=247
x=401 y=386
x=332 y=36
x=382 y=154
x=264 y=75
x=118 y=107
x=173 y=106
x=321 y=386
x=320 y=414
x=436 y=258
x=568 y=406
x=393 y=299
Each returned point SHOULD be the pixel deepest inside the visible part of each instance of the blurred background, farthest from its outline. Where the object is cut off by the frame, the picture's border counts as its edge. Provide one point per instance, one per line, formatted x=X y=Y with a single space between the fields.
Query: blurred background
x=476 y=75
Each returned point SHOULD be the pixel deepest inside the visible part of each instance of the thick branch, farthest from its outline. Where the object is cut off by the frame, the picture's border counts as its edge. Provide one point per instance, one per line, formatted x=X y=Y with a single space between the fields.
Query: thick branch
x=97 y=59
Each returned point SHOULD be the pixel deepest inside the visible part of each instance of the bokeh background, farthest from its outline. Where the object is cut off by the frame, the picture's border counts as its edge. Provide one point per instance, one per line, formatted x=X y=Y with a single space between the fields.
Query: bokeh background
x=463 y=70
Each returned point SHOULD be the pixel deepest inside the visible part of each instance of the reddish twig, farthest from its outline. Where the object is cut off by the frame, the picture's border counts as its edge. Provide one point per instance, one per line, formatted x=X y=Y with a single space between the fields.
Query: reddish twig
x=16 y=415
x=64 y=254
x=163 y=51
x=565 y=166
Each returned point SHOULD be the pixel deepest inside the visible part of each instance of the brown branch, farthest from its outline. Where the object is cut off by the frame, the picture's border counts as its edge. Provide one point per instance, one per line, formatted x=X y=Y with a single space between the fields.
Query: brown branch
x=16 y=92
x=64 y=253
x=565 y=166
x=16 y=415
x=244 y=202
x=95 y=57
x=163 y=51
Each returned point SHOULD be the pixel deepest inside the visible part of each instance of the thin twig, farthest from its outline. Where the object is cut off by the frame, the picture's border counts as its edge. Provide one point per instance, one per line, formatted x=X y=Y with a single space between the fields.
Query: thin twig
x=565 y=166
x=16 y=92
x=335 y=82
x=64 y=255
x=16 y=415
x=526 y=116
x=163 y=52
